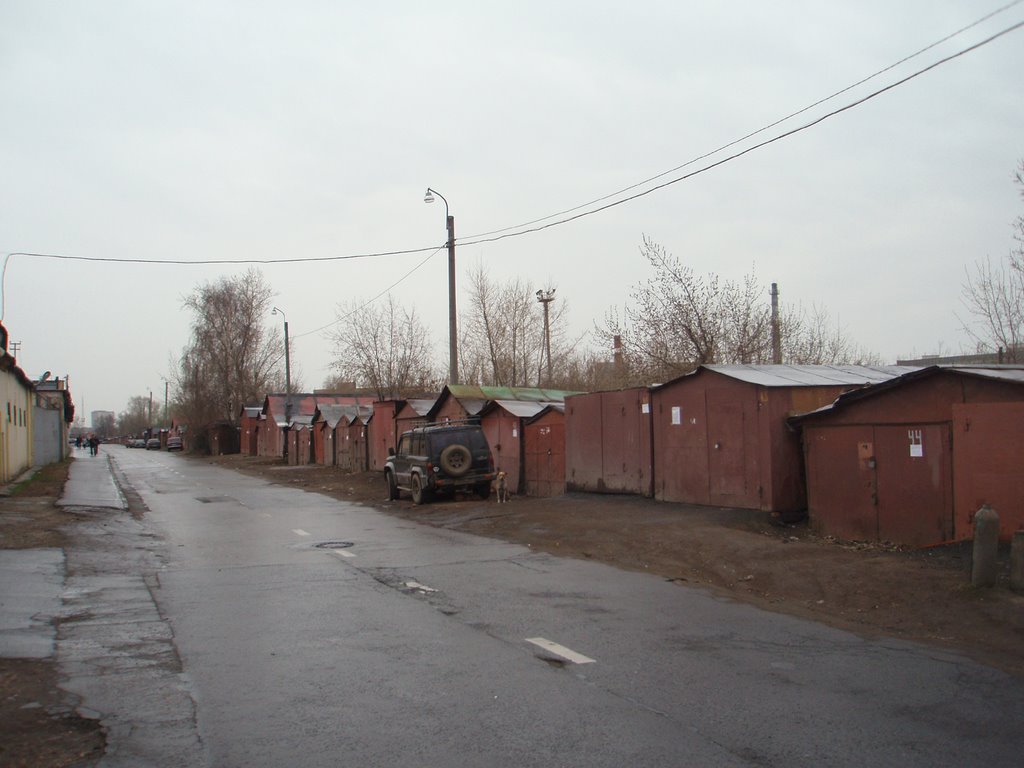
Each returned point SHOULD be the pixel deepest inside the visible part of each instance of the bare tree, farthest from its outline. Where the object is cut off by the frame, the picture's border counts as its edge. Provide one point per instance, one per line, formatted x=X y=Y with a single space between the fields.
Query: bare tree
x=993 y=295
x=502 y=342
x=232 y=359
x=678 y=320
x=384 y=347
x=134 y=419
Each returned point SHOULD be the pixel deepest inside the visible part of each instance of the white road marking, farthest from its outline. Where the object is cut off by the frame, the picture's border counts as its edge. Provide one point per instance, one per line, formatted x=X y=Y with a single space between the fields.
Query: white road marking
x=342 y=553
x=300 y=532
x=419 y=587
x=266 y=515
x=560 y=650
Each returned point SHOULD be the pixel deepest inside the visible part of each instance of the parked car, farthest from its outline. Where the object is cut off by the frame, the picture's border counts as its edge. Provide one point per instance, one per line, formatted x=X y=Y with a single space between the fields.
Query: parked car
x=174 y=443
x=153 y=444
x=440 y=459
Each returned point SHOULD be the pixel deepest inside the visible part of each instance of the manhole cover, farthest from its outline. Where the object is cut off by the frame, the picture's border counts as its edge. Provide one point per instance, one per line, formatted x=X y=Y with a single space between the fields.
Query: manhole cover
x=333 y=545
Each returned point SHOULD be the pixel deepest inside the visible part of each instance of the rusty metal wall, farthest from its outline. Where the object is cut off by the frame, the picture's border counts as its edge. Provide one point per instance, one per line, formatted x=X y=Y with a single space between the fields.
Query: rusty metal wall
x=406 y=419
x=915 y=483
x=626 y=441
x=450 y=409
x=320 y=432
x=841 y=486
x=988 y=457
x=608 y=442
x=382 y=432
x=583 y=443
x=544 y=455
x=680 y=430
x=881 y=482
x=503 y=431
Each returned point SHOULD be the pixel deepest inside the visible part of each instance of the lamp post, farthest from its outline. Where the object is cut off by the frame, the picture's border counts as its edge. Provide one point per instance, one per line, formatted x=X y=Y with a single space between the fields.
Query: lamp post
x=287 y=369
x=545 y=298
x=453 y=353
x=166 y=393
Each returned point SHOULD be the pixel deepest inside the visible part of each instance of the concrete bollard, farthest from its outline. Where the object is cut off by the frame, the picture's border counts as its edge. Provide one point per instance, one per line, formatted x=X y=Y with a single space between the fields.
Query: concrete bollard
x=985 y=563
x=1017 y=562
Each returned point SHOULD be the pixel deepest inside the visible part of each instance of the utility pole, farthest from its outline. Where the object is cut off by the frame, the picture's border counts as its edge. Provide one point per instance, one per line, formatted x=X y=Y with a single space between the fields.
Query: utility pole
x=545 y=298
x=166 y=389
x=776 y=334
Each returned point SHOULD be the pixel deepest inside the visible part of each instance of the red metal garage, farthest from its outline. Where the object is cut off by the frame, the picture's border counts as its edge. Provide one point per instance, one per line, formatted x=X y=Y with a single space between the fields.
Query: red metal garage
x=883 y=462
x=544 y=452
x=721 y=438
x=608 y=446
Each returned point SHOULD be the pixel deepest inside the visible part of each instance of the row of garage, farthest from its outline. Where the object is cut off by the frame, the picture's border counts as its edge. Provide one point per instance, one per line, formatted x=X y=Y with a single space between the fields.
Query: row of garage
x=891 y=453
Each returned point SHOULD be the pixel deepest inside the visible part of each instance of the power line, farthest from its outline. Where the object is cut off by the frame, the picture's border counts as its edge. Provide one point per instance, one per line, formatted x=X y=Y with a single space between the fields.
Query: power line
x=478 y=239
x=781 y=120
x=368 y=302
x=748 y=150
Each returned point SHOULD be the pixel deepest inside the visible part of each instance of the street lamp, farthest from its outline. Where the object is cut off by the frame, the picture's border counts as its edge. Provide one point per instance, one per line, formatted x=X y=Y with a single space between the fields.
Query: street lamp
x=453 y=354
x=287 y=369
x=545 y=298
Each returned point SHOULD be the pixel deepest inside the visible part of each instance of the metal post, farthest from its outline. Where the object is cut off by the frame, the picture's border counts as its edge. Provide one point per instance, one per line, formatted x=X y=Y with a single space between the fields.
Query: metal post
x=453 y=331
x=287 y=377
x=545 y=298
x=985 y=563
x=776 y=333
x=166 y=389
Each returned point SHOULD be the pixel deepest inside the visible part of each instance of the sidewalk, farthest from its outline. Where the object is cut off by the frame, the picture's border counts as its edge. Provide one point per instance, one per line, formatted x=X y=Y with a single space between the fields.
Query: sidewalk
x=91 y=483
x=32 y=580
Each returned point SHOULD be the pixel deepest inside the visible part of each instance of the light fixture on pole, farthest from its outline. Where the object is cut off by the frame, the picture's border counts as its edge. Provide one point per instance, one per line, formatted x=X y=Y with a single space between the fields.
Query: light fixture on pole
x=453 y=353
x=545 y=298
x=287 y=369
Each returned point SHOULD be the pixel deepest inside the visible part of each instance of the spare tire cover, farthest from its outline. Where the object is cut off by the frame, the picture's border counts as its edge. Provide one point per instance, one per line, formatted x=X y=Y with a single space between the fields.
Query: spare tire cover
x=456 y=460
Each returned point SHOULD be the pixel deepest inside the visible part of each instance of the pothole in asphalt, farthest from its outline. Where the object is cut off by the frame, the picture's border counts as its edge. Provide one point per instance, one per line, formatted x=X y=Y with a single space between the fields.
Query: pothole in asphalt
x=334 y=545
x=213 y=499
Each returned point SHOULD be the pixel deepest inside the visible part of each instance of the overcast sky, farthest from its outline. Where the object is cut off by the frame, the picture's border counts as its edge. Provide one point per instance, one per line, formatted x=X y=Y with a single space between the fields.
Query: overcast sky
x=234 y=130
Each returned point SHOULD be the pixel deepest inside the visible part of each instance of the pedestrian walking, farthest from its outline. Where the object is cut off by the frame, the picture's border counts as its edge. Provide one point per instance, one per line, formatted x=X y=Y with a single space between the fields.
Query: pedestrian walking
x=94 y=445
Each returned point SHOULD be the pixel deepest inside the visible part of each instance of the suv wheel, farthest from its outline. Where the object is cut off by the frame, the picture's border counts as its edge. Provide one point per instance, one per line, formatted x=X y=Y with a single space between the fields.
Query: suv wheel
x=483 y=490
x=419 y=493
x=456 y=460
x=392 y=486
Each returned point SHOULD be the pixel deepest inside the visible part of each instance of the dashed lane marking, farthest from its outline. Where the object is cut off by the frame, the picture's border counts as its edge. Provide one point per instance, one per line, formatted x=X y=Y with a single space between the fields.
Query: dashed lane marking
x=560 y=650
x=300 y=532
x=343 y=553
x=416 y=586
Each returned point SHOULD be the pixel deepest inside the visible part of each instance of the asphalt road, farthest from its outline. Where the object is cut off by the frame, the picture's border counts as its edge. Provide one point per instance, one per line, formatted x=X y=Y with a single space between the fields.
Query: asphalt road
x=311 y=632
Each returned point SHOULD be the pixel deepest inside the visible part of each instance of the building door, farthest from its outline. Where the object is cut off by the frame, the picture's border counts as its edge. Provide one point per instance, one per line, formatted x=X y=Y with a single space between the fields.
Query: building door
x=730 y=480
x=915 y=484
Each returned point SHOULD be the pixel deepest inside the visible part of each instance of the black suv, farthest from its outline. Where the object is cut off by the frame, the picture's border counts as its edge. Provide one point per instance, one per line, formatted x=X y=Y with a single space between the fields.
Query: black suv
x=440 y=459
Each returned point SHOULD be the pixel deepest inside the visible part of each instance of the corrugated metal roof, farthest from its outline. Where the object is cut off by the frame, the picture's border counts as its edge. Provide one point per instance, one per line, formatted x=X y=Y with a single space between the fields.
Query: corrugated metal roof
x=808 y=375
x=524 y=410
x=421 y=407
x=1013 y=374
x=462 y=392
x=332 y=413
x=1008 y=373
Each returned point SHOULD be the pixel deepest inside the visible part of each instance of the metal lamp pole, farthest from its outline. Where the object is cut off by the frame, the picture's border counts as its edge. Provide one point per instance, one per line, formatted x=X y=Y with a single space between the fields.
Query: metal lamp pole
x=287 y=369
x=453 y=352
x=545 y=298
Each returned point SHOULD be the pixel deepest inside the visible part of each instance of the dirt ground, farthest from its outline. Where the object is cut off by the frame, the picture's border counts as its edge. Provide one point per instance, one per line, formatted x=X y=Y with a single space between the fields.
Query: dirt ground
x=38 y=724
x=871 y=590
